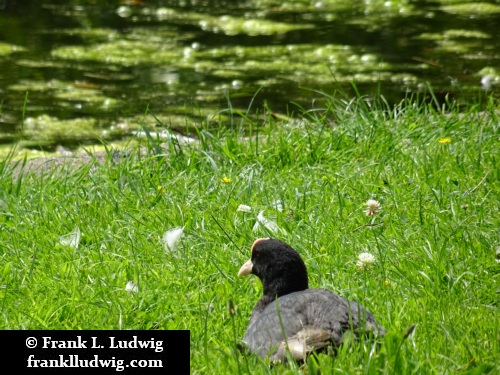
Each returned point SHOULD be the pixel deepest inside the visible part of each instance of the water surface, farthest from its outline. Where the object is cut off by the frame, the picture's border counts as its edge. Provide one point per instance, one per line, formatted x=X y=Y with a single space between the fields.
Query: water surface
x=91 y=69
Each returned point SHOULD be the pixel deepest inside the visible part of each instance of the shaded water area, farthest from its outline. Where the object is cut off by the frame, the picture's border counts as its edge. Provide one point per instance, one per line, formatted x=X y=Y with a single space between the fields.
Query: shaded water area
x=91 y=69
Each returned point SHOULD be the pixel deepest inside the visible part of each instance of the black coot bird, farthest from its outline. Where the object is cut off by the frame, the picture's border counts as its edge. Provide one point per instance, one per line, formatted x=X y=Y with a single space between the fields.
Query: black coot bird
x=305 y=319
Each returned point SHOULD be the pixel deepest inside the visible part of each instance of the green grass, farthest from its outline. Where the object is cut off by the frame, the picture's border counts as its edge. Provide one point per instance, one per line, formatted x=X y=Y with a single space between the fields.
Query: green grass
x=434 y=240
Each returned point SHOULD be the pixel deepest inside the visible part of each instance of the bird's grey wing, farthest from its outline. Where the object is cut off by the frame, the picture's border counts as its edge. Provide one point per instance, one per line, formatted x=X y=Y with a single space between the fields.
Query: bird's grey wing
x=302 y=322
x=338 y=315
x=268 y=329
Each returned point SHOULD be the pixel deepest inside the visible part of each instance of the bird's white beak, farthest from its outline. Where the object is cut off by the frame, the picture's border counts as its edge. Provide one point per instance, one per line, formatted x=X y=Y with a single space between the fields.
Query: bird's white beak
x=246 y=269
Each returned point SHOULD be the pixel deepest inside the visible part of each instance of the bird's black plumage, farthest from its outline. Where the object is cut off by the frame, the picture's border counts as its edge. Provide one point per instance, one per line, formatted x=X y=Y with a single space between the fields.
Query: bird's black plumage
x=289 y=314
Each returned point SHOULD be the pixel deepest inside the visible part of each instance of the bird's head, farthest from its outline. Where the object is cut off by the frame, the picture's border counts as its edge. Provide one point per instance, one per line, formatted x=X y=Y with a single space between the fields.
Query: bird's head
x=278 y=266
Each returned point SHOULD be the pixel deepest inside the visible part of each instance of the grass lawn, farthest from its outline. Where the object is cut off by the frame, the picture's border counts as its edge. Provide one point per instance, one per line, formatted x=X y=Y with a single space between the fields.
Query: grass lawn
x=436 y=174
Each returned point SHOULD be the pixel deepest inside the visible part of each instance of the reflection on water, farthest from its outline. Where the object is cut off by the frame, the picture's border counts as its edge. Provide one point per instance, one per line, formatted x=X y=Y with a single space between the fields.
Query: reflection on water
x=104 y=63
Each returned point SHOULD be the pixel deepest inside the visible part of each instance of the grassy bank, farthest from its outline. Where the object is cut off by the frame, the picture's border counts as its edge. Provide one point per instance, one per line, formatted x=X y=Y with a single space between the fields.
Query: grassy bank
x=436 y=174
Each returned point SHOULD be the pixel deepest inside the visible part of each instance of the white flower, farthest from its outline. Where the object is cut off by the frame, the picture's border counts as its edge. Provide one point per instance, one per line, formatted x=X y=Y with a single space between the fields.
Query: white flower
x=244 y=208
x=486 y=81
x=278 y=205
x=365 y=260
x=373 y=207
x=270 y=225
x=171 y=237
x=131 y=287
x=71 y=239
x=497 y=255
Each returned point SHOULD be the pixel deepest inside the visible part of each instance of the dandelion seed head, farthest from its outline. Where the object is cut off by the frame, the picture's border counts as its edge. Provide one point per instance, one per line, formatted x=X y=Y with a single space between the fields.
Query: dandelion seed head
x=171 y=237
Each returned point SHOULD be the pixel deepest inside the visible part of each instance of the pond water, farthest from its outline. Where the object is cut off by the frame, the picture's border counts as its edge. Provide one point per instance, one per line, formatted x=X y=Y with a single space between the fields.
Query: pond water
x=90 y=69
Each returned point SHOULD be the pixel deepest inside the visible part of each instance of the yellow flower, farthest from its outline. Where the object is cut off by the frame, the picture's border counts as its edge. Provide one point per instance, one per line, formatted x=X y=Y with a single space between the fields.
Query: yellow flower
x=444 y=140
x=160 y=189
x=226 y=180
x=387 y=283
